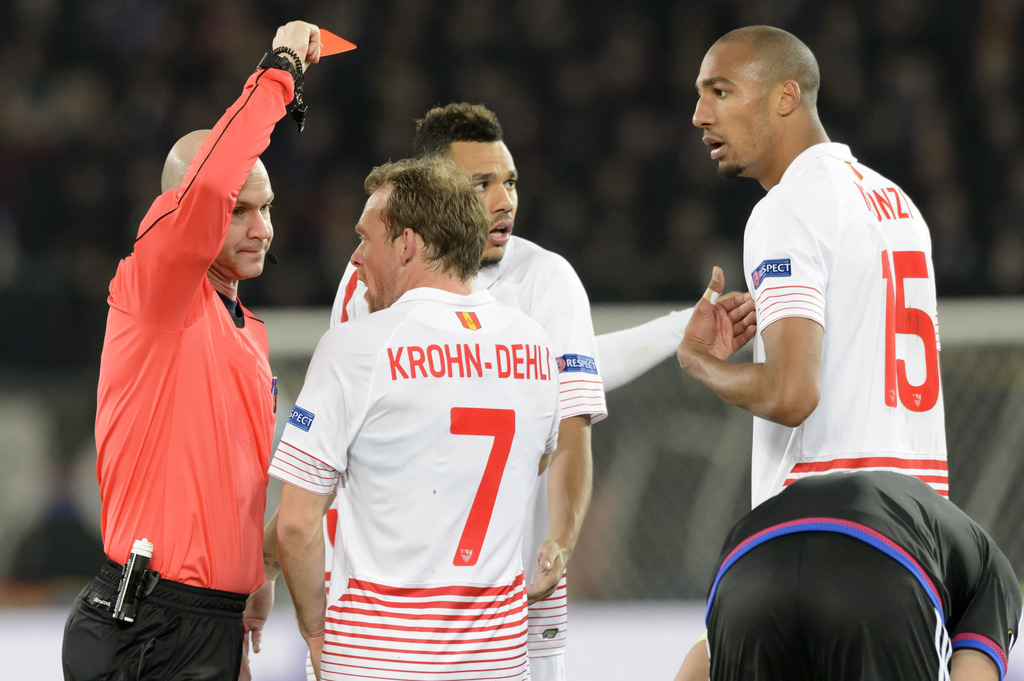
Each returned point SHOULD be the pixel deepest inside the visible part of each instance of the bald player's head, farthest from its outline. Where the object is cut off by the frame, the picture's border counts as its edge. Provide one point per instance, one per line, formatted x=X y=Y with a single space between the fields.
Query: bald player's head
x=778 y=55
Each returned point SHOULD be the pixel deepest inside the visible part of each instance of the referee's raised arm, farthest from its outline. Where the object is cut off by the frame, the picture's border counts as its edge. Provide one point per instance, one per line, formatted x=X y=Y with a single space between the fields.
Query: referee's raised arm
x=186 y=402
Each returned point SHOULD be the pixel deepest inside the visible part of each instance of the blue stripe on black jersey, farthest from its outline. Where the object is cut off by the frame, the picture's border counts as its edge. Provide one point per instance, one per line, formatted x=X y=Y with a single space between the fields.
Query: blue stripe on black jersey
x=850 y=529
x=985 y=645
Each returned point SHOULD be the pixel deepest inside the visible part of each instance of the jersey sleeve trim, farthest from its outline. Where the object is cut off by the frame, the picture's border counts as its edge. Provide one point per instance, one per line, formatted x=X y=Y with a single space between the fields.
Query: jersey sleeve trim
x=582 y=397
x=983 y=644
x=780 y=302
x=296 y=467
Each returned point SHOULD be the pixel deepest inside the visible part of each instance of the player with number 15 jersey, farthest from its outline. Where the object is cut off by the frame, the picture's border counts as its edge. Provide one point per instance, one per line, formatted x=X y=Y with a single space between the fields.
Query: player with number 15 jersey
x=838 y=243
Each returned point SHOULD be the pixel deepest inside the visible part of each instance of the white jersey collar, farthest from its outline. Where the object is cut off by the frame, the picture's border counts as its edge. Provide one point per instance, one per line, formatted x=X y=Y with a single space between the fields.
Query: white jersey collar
x=428 y=293
x=816 y=151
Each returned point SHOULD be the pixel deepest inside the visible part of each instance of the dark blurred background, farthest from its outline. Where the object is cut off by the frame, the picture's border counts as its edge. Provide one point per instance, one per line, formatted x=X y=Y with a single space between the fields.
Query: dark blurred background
x=596 y=99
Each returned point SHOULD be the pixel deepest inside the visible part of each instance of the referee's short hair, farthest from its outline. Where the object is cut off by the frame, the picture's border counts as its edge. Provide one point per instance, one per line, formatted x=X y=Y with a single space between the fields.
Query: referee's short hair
x=433 y=197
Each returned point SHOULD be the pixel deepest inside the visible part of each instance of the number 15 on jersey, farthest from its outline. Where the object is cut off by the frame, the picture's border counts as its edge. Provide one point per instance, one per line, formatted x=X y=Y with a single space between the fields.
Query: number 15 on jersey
x=908 y=320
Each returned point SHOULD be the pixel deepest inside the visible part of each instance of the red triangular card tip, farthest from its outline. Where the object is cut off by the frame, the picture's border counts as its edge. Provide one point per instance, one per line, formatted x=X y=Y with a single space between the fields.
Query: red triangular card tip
x=333 y=44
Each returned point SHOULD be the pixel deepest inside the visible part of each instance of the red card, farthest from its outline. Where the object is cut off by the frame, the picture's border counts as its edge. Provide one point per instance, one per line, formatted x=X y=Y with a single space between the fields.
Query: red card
x=333 y=44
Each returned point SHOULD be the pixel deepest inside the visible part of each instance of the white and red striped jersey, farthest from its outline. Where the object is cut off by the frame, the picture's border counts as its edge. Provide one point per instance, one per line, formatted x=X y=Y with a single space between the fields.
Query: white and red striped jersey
x=838 y=243
x=543 y=285
x=437 y=410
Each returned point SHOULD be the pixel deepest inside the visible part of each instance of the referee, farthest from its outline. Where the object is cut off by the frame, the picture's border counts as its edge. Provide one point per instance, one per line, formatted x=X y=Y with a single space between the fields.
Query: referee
x=185 y=405
x=857 y=577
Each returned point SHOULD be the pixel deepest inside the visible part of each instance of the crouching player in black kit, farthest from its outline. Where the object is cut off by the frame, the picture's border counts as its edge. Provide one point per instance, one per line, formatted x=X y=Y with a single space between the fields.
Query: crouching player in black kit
x=866 y=575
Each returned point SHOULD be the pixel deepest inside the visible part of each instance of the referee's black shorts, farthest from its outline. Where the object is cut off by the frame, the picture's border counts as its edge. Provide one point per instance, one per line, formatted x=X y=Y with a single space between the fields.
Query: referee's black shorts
x=821 y=605
x=180 y=632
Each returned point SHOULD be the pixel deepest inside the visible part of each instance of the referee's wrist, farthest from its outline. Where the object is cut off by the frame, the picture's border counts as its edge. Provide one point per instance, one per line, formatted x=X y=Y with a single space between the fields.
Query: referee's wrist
x=287 y=59
x=275 y=60
x=294 y=56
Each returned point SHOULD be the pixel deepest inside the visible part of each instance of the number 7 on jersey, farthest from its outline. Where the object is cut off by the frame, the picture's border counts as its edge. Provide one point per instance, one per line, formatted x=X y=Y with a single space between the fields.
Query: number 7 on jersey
x=501 y=425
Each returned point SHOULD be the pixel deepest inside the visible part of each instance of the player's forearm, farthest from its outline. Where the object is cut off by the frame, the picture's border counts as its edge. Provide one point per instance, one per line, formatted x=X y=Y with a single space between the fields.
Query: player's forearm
x=972 y=665
x=570 y=483
x=696 y=666
x=300 y=542
x=626 y=354
x=271 y=556
x=742 y=385
x=305 y=580
x=304 y=573
x=772 y=391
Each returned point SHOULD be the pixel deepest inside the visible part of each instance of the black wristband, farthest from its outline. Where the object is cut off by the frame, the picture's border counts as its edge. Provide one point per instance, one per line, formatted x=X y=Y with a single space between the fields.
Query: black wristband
x=291 y=53
x=276 y=60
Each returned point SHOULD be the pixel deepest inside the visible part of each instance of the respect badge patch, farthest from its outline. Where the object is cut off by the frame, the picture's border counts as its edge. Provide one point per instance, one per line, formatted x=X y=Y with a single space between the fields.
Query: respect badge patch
x=581 y=363
x=300 y=418
x=771 y=268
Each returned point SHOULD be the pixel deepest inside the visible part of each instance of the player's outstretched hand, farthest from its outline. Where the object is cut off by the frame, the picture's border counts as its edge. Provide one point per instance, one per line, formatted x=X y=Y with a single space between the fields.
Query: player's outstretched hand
x=717 y=327
x=550 y=566
x=302 y=37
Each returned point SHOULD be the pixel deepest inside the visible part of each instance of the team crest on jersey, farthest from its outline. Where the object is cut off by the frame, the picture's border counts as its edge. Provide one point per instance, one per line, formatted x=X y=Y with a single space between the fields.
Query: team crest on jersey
x=469 y=320
x=300 y=418
x=582 y=363
x=771 y=268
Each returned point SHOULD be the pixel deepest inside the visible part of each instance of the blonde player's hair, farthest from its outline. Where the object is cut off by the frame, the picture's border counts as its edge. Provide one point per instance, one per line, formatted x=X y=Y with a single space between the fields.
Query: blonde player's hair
x=433 y=197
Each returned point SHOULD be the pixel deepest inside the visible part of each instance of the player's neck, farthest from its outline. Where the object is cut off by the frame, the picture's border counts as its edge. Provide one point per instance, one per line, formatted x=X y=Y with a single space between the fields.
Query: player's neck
x=788 y=149
x=442 y=281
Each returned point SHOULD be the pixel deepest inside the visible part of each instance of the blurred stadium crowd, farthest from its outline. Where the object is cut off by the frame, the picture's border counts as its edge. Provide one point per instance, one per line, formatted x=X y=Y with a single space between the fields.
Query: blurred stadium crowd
x=596 y=98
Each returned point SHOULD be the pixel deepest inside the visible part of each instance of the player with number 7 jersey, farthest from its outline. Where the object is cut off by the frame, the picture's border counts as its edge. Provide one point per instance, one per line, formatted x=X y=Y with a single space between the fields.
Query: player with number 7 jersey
x=436 y=414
